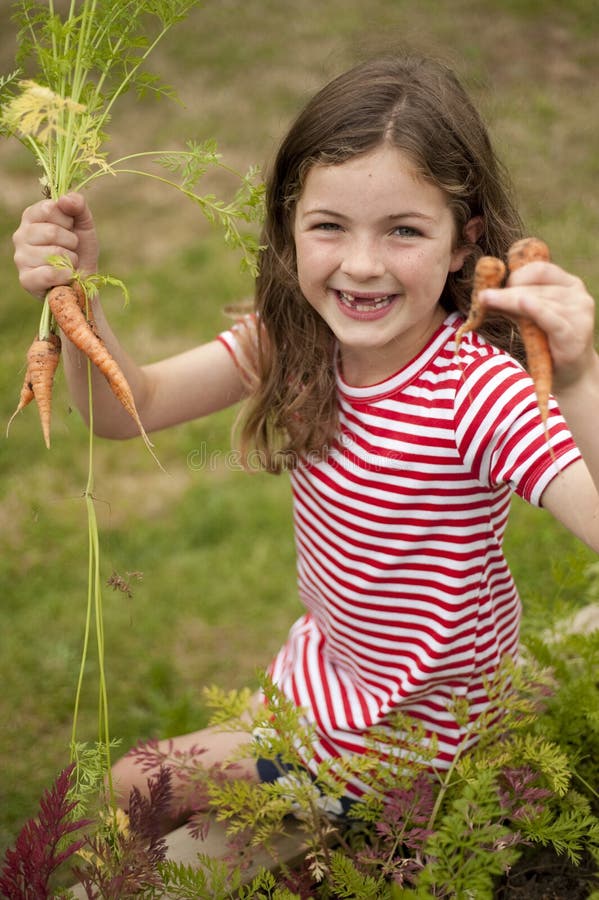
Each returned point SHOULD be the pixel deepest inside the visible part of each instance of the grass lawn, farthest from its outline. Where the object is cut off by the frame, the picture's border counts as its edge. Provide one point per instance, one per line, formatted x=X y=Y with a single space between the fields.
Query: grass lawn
x=214 y=545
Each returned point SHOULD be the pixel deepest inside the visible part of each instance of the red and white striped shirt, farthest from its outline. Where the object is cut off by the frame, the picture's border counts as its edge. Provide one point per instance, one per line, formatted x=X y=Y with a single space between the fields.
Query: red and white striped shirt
x=409 y=600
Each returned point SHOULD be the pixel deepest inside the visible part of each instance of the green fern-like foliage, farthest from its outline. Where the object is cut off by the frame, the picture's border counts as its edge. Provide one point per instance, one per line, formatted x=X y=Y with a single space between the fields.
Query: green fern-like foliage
x=347 y=881
x=112 y=46
x=471 y=845
x=571 y=717
x=208 y=879
x=212 y=879
x=418 y=833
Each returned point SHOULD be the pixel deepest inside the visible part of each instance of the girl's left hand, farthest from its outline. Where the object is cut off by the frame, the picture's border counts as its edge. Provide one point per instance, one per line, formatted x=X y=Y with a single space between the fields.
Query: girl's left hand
x=560 y=305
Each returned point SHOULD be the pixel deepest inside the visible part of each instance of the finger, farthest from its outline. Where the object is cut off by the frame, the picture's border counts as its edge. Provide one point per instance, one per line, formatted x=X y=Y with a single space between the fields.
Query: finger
x=39 y=279
x=542 y=305
x=28 y=256
x=544 y=273
x=74 y=204
x=84 y=228
x=561 y=290
x=566 y=316
x=46 y=234
x=510 y=301
x=47 y=211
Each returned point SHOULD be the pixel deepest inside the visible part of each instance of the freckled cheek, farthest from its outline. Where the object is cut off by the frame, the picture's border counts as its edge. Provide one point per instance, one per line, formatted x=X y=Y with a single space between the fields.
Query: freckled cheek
x=423 y=275
x=312 y=265
x=412 y=271
x=434 y=265
x=305 y=275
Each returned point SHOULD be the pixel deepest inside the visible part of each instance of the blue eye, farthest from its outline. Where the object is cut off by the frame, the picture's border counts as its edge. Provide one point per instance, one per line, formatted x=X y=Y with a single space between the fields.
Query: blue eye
x=327 y=226
x=406 y=231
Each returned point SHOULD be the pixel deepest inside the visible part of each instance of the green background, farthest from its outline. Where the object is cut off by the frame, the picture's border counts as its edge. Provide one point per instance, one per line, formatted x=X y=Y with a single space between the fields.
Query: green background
x=214 y=544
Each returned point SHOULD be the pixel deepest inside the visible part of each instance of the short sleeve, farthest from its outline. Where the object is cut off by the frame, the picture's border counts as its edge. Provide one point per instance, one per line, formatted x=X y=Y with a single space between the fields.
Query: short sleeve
x=499 y=431
x=241 y=340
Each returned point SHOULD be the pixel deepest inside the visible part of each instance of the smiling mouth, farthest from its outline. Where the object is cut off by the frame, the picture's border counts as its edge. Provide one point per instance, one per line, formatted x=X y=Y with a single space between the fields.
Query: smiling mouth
x=362 y=303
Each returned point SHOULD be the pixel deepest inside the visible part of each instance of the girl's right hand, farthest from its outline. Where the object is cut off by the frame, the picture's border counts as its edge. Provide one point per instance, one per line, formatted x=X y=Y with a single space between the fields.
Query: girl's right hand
x=63 y=227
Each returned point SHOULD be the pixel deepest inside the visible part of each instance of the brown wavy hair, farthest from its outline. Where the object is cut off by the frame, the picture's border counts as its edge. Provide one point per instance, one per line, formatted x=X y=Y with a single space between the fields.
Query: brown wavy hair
x=419 y=106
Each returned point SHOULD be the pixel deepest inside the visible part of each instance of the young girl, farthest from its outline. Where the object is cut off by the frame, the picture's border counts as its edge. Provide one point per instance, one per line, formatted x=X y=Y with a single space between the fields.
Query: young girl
x=403 y=453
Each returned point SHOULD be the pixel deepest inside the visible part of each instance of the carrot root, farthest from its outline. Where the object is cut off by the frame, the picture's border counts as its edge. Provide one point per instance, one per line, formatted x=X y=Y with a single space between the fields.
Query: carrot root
x=530 y=249
x=489 y=272
x=67 y=304
x=25 y=398
x=42 y=360
x=538 y=356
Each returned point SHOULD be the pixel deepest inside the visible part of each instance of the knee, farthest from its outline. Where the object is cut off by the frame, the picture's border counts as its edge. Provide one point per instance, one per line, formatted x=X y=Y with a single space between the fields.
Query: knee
x=126 y=774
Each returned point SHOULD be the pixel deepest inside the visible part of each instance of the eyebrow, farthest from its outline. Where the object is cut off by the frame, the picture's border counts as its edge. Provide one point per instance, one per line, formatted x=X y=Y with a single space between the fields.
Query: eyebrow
x=393 y=217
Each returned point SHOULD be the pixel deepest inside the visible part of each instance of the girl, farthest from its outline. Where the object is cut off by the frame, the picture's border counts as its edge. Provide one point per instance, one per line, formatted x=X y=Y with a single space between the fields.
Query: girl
x=403 y=453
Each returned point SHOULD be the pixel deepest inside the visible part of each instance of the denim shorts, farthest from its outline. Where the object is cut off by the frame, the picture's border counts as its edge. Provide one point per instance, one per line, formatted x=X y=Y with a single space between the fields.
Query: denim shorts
x=271 y=771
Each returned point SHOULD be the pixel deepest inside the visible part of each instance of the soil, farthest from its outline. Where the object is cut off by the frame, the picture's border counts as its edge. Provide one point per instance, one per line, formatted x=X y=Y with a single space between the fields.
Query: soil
x=543 y=875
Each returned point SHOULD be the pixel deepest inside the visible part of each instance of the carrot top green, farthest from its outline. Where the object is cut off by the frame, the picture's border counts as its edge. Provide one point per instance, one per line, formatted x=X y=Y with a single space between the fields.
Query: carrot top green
x=58 y=103
x=72 y=66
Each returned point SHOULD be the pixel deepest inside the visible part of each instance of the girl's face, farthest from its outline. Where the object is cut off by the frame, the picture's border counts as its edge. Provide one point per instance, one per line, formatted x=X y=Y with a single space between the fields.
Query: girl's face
x=374 y=244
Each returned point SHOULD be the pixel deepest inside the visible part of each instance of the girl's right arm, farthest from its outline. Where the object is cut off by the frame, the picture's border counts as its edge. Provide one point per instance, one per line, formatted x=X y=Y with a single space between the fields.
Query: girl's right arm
x=177 y=389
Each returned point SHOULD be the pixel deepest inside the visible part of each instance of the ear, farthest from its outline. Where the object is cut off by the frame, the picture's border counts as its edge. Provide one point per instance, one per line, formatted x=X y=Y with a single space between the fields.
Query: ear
x=470 y=234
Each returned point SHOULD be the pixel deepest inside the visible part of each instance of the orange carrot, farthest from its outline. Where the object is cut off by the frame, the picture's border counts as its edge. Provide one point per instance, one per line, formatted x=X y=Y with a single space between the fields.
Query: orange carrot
x=42 y=359
x=67 y=304
x=25 y=397
x=538 y=356
x=489 y=272
x=83 y=305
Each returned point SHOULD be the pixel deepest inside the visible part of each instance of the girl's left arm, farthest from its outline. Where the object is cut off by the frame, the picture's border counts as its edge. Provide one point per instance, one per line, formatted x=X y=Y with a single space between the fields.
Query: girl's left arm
x=561 y=306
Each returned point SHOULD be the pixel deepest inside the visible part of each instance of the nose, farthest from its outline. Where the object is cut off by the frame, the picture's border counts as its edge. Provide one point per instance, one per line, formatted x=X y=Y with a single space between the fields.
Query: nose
x=362 y=259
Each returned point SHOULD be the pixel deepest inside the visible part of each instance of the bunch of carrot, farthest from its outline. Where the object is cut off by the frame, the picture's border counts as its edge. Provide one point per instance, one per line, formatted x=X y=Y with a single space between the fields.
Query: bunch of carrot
x=69 y=307
x=490 y=273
